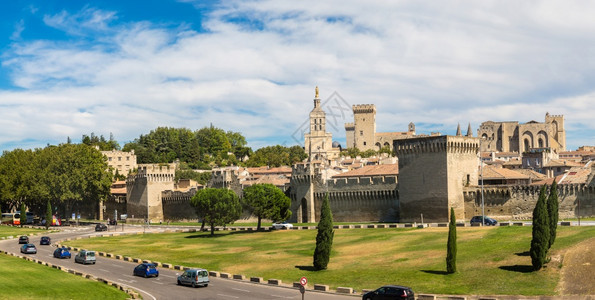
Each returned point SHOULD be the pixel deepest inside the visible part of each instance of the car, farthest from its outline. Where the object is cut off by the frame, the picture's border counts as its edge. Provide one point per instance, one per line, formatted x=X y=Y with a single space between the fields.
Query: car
x=85 y=257
x=194 y=278
x=146 y=270
x=24 y=239
x=45 y=240
x=62 y=253
x=282 y=225
x=488 y=221
x=29 y=249
x=390 y=292
x=100 y=227
x=113 y=222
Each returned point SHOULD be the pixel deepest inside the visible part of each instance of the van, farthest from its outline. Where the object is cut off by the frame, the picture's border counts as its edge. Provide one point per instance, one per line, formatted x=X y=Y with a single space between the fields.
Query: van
x=194 y=278
x=85 y=257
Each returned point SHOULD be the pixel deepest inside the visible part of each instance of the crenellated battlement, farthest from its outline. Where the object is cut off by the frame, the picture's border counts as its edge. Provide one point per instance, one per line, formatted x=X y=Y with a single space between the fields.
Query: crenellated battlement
x=364 y=108
x=349 y=126
x=444 y=143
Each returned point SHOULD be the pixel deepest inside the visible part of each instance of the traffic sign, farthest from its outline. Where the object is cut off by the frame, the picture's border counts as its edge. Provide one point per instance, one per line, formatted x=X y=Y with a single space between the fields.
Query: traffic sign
x=303 y=281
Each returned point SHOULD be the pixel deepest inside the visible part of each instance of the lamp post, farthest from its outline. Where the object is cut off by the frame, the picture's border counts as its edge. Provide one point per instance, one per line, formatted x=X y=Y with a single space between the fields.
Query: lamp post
x=481 y=170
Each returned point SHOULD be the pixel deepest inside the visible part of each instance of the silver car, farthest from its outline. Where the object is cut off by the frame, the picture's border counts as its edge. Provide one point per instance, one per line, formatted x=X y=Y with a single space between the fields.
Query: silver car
x=29 y=249
x=194 y=277
x=85 y=257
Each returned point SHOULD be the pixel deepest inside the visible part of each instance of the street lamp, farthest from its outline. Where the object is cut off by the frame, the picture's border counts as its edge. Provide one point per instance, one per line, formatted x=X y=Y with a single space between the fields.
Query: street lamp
x=481 y=170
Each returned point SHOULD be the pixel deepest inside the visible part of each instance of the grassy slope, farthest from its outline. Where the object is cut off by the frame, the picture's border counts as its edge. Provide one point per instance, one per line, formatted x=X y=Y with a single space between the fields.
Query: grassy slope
x=490 y=260
x=6 y=231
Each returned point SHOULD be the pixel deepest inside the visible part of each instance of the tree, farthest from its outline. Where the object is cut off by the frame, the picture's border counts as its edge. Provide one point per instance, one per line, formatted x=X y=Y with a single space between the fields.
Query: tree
x=48 y=215
x=324 y=238
x=23 y=214
x=217 y=207
x=541 y=232
x=267 y=201
x=451 y=247
x=552 y=210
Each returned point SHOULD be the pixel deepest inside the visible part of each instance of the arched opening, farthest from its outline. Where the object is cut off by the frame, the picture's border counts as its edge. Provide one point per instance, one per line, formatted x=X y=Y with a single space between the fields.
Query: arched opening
x=527 y=147
x=304 y=211
x=378 y=146
x=540 y=142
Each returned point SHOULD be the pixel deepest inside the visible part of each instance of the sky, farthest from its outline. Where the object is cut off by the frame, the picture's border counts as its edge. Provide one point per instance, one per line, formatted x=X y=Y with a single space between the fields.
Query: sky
x=124 y=68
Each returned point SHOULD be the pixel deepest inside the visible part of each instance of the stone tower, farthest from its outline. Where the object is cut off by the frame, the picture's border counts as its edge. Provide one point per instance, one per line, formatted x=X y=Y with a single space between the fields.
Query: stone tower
x=318 y=143
x=364 y=131
x=143 y=190
x=433 y=172
x=557 y=132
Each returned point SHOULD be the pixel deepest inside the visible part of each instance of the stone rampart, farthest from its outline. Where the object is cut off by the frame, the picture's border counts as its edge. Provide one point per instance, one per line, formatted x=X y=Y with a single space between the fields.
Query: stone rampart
x=516 y=202
x=177 y=207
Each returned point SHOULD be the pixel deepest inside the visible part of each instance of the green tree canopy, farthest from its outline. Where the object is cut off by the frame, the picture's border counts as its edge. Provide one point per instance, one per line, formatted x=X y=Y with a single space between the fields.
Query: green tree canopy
x=276 y=156
x=552 y=209
x=217 y=207
x=99 y=141
x=540 y=232
x=267 y=201
x=451 y=247
x=324 y=237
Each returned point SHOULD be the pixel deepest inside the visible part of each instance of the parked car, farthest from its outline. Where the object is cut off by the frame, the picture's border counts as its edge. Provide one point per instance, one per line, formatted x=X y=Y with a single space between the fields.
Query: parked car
x=85 y=257
x=24 y=239
x=45 y=240
x=62 y=253
x=100 y=227
x=194 y=277
x=488 y=221
x=282 y=225
x=390 y=292
x=146 y=270
x=29 y=249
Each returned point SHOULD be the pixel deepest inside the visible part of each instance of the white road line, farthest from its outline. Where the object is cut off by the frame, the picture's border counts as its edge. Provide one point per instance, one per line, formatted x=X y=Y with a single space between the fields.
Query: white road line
x=247 y=291
x=228 y=296
x=159 y=282
x=129 y=276
x=104 y=270
x=168 y=276
x=285 y=297
x=140 y=291
x=117 y=266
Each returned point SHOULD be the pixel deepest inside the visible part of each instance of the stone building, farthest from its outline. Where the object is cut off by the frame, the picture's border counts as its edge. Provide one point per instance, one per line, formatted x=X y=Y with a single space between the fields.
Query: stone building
x=121 y=161
x=318 y=143
x=514 y=137
x=433 y=173
x=361 y=134
x=143 y=190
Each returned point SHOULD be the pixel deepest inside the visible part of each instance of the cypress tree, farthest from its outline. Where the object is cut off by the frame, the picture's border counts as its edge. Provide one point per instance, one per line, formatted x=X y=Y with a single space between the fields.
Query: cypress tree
x=541 y=232
x=451 y=254
x=23 y=214
x=552 y=209
x=48 y=215
x=324 y=238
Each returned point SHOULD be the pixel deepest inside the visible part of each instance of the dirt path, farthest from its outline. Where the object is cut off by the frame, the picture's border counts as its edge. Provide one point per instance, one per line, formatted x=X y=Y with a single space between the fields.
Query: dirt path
x=578 y=270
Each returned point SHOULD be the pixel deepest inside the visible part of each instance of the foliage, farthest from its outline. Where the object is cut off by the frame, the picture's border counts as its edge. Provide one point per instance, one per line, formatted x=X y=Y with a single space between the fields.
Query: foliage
x=217 y=207
x=69 y=175
x=552 y=209
x=355 y=152
x=48 y=215
x=267 y=201
x=324 y=238
x=201 y=149
x=541 y=232
x=451 y=248
x=100 y=141
x=275 y=156
x=185 y=172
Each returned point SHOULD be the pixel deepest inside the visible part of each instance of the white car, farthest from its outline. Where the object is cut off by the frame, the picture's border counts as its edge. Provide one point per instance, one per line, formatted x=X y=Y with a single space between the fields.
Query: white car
x=282 y=225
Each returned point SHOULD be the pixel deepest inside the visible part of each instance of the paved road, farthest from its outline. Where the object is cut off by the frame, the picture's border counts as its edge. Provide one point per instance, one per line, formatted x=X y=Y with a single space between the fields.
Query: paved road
x=163 y=287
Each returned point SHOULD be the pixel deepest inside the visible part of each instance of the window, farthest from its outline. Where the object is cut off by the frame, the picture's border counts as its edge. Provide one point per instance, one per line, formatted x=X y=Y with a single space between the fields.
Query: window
x=109 y=159
x=119 y=158
x=127 y=157
x=364 y=143
x=361 y=132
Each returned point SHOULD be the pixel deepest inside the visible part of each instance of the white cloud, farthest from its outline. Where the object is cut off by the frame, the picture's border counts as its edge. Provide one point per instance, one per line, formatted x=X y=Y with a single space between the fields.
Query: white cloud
x=423 y=62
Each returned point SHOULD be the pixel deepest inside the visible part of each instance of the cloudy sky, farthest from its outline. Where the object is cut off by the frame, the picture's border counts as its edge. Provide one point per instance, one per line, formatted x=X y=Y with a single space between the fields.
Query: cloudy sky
x=70 y=68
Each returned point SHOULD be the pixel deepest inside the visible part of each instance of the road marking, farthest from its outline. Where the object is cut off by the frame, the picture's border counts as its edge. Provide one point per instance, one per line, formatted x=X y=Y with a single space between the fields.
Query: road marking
x=140 y=291
x=167 y=276
x=117 y=266
x=104 y=270
x=286 y=297
x=247 y=291
x=129 y=276
x=159 y=282
x=228 y=296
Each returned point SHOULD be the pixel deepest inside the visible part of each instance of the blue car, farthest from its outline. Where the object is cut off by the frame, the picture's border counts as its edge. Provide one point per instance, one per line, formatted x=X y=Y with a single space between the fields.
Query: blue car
x=62 y=253
x=146 y=270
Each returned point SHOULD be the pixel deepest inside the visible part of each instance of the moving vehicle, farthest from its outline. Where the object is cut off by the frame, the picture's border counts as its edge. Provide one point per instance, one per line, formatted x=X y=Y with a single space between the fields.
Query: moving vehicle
x=282 y=225
x=15 y=218
x=146 y=270
x=45 y=240
x=390 y=292
x=100 y=227
x=23 y=239
x=488 y=221
x=194 y=278
x=85 y=257
x=29 y=249
x=62 y=253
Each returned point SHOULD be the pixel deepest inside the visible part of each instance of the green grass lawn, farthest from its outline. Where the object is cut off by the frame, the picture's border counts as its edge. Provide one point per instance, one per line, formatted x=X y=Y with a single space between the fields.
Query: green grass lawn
x=21 y=279
x=490 y=260
x=6 y=231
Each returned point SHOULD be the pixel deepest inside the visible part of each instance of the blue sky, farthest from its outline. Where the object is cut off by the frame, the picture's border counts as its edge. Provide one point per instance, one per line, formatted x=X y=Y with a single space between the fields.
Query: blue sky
x=69 y=68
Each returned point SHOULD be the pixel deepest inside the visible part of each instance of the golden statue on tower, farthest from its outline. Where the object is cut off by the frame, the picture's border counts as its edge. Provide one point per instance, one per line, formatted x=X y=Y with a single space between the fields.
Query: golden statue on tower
x=316 y=96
